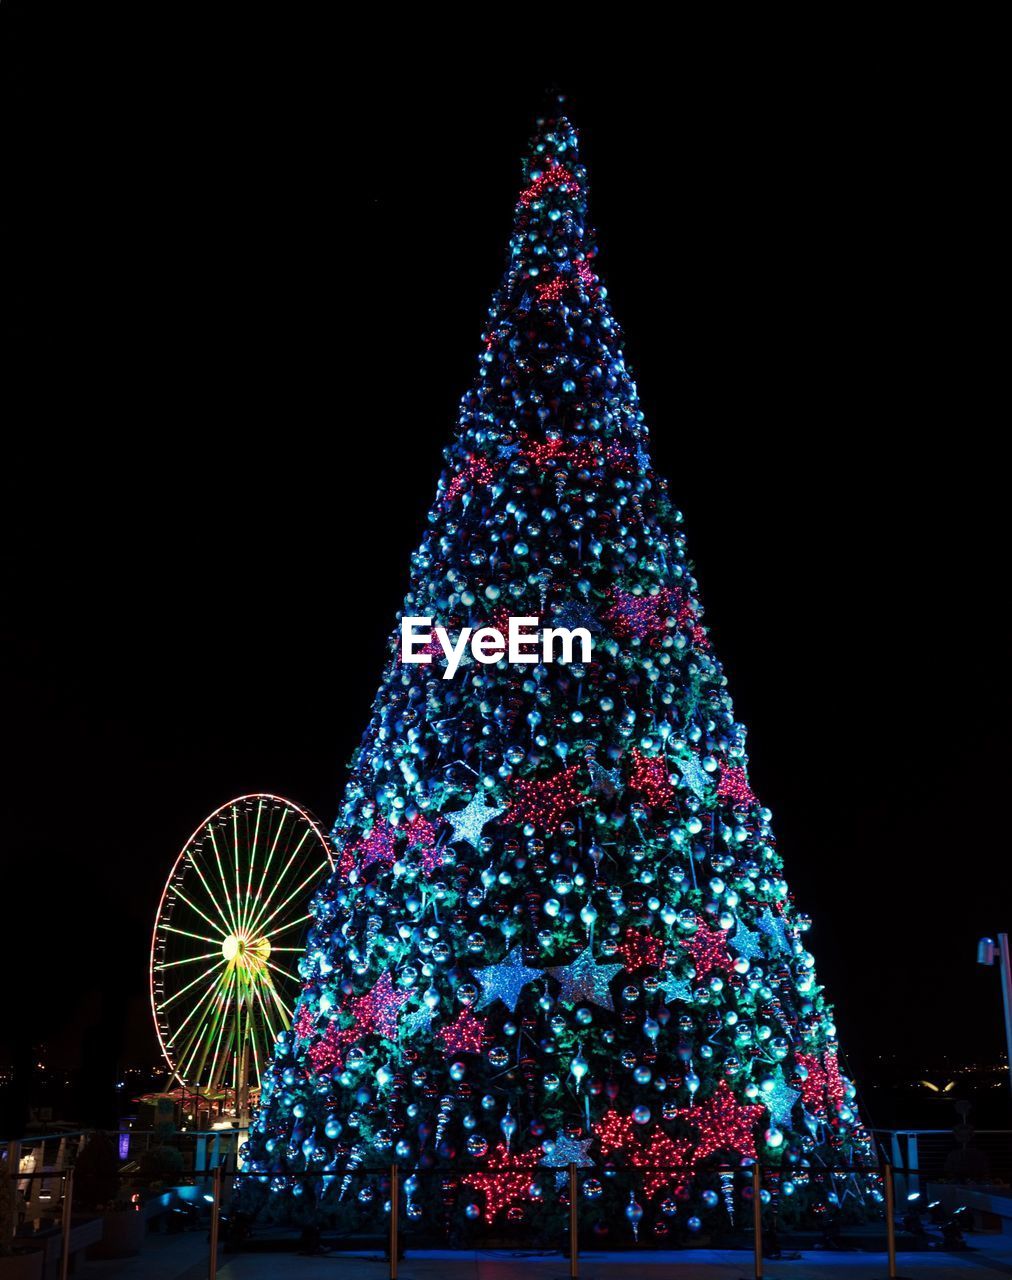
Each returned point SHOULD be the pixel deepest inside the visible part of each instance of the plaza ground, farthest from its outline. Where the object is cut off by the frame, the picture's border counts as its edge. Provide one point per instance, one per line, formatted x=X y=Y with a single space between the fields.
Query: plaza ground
x=184 y=1257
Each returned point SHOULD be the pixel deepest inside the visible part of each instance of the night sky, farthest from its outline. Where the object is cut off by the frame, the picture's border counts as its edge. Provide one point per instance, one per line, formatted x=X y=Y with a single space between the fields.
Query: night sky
x=249 y=290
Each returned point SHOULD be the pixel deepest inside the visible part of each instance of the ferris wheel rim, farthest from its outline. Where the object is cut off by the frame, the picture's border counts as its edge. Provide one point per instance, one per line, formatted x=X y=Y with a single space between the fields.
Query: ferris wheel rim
x=270 y=796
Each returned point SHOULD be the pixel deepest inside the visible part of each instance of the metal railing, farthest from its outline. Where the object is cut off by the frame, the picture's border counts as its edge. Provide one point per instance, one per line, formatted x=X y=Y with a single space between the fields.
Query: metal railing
x=218 y=1176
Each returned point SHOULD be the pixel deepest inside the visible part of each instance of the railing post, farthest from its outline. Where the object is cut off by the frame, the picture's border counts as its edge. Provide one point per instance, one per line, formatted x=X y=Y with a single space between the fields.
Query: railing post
x=757 y=1220
x=68 y=1208
x=890 y=1206
x=395 y=1195
x=574 y=1224
x=212 y=1263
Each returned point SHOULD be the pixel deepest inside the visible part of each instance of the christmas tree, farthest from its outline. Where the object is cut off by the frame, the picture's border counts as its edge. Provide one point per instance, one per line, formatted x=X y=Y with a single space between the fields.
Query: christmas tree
x=560 y=929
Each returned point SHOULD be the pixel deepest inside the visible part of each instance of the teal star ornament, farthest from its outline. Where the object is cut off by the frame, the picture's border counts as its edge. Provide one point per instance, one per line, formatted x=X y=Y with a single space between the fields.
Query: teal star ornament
x=693 y=775
x=504 y=981
x=468 y=823
x=417 y=1022
x=566 y=1151
x=604 y=781
x=584 y=979
x=779 y=1099
x=773 y=928
x=676 y=989
x=746 y=942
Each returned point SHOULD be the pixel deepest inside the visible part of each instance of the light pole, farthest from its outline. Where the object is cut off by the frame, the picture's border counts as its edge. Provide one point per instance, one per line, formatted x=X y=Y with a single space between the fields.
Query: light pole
x=991 y=952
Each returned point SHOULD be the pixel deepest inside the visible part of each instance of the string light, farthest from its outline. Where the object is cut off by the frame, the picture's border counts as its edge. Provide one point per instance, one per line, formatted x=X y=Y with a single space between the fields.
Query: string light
x=733 y=786
x=557 y=176
x=723 y=1124
x=375 y=1013
x=464 y=1035
x=477 y=472
x=641 y=950
x=508 y=1178
x=708 y=948
x=649 y=776
x=544 y=802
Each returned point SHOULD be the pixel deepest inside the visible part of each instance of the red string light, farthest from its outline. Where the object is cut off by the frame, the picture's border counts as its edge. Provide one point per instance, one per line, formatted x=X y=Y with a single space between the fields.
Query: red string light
x=543 y=802
x=374 y=1013
x=421 y=834
x=619 y=1133
x=813 y=1087
x=649 y=776
x=723 y=1124
x=556 y=176
x=508 y=1178
x=465 y=1035
x=616 y=1131
x=708 y=948
x=477 y=472
x=305 y=1023
x=733 y=786
x=641 y=950
x=378 y=845
x=552 y=290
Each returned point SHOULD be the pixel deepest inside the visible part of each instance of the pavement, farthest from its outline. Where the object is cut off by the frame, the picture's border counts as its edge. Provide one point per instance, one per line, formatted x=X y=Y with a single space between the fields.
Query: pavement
x=184 y=1257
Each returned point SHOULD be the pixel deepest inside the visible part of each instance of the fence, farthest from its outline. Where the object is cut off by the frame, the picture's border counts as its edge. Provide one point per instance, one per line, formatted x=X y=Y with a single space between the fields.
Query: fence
x=215 y=1177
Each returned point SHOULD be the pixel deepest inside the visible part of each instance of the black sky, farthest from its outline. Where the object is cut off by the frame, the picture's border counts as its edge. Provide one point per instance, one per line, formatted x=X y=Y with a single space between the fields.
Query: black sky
x=249 y=285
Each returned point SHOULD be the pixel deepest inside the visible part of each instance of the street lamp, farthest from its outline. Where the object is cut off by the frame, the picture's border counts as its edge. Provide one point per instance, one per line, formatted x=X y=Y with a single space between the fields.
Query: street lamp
x=991 y=952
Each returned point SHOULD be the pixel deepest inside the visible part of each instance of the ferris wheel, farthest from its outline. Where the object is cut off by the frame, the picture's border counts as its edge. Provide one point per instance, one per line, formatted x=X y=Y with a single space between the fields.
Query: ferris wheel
x=226 y=941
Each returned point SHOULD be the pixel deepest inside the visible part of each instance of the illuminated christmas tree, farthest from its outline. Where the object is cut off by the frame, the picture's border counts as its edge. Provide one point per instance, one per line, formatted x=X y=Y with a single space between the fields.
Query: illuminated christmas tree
x=560 y=929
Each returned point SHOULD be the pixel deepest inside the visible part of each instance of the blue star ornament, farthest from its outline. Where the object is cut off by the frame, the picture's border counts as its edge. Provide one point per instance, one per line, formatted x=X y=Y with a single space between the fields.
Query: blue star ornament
x=676 y=989
x=604 y=781
x=566 y=1151
x=469 y=822
x=779 y=1099
x=693 y=775
x=746 y=942
x=585 y=979
x=574 y=614
x=772 y=927
x=504 y=981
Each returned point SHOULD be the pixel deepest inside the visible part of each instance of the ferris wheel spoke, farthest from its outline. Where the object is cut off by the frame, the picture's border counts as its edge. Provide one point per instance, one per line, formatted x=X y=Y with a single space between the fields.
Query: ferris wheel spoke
x=190 y=985
x=238 y=881
x=193 y=907
x=188 y=933
x=207 y=999
x=224 y=883
x=219 y=1020
x=283 y=928
x=253 y=854
x=208 y=955
x=273 y=851
x=264 y=904
x=262 y=923
x=267 y=1016
x=195 y=863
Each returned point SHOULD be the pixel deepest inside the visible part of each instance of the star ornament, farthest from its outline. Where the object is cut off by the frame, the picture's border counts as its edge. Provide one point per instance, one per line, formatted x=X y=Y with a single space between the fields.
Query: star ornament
x=676 y=989
x=724 y=1124
x=694 y=776
x=469 y=822
x=505 y=981
x=587 y=980
x=747 y=942
x=566 y=1151
x=544 y=802
x=779 y=1099
x=464 y=1035
x=708 y=948
x=774 y=928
